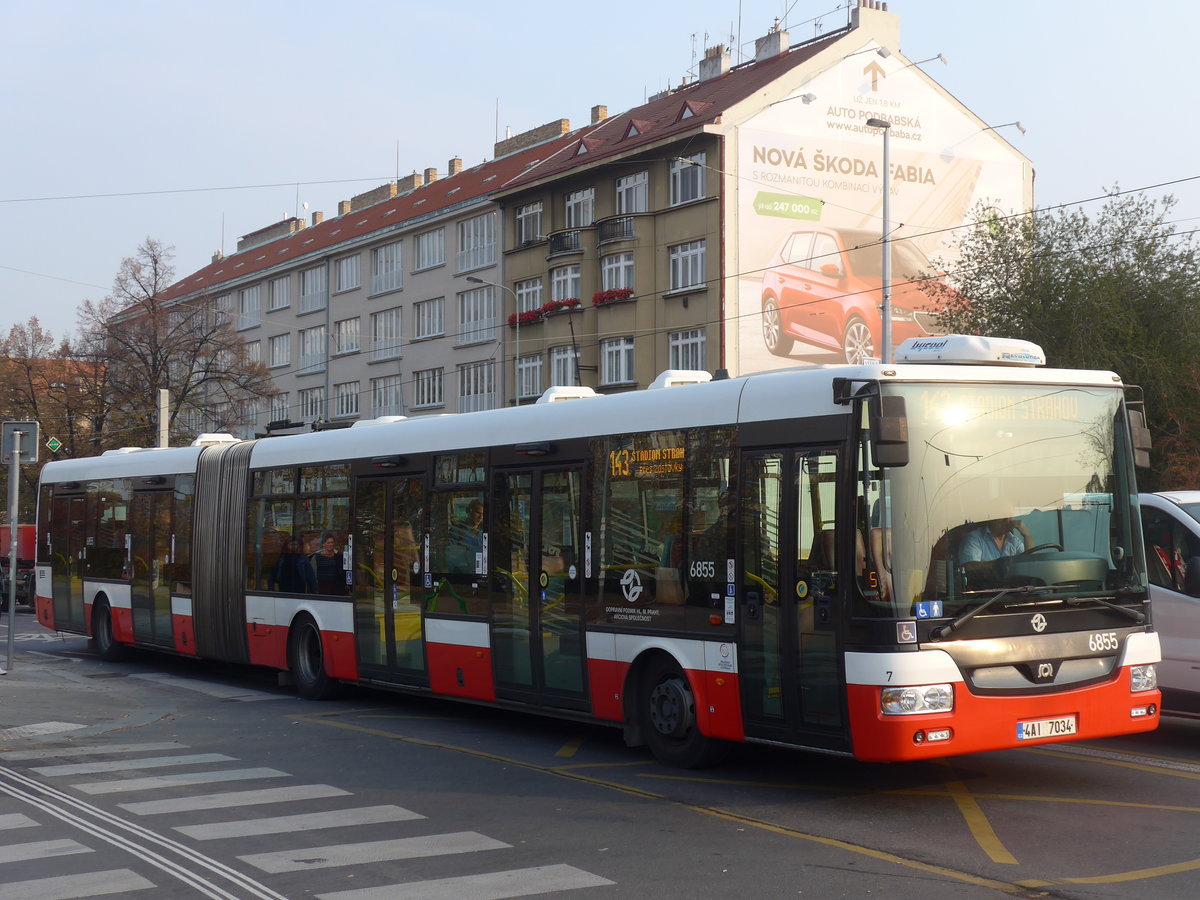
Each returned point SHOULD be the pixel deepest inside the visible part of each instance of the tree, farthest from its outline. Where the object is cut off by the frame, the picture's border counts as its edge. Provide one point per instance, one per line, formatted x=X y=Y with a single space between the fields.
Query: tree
x=40 y=381
x=1119 y=290
x=136 y=344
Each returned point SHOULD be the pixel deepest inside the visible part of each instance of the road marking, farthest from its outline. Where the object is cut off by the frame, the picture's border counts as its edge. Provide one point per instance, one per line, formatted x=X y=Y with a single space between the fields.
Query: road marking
x=38 y=730
x=492 y=886
x=220 y=691
x=1131 y=760
x=570 y=748
x=365 y=815
x=234 y=798
x=16 y=820
x=373 y=851
x=169 y=781
x=124 y=765
x=66 y=752
x=75 y=887
x=40 y=850
x=977 y=822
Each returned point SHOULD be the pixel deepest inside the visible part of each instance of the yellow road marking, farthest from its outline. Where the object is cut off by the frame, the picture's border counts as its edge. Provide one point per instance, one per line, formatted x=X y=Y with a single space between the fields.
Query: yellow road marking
x=570 y=748
x=977 y=821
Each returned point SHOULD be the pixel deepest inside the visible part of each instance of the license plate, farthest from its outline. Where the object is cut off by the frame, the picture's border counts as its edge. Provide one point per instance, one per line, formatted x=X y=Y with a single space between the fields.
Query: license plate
x=1045 y=728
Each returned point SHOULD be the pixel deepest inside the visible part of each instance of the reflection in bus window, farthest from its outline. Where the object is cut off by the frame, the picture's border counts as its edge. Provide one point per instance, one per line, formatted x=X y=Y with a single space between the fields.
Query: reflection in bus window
x=457 y=552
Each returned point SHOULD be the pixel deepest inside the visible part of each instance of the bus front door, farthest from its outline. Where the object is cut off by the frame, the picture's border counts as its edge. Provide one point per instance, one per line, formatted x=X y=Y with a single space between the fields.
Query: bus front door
x=150 y=589
x=788 y=661
x=387 y=580
x=69 y=557
x=537 y=587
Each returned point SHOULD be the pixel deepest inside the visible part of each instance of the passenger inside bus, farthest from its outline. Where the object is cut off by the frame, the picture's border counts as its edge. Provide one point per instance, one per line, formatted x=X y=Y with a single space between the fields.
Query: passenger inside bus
x=465 y=539
x=327 y=564
x=293 y=572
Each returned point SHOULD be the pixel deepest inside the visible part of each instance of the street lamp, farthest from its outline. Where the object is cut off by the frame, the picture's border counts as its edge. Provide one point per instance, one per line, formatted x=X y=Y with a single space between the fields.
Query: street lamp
x=886 y=306
x=516 y=339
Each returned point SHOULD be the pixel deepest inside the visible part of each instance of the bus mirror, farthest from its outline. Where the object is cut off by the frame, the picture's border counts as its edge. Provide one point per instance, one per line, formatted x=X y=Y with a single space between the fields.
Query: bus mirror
x=1139 y=434
x=889 y=432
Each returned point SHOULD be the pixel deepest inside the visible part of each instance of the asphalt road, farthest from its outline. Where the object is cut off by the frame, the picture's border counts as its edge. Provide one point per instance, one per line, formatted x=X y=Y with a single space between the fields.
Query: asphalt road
x=162 y=777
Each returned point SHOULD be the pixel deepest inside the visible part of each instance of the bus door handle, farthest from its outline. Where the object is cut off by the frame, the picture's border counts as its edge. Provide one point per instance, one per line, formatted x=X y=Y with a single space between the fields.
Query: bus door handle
x=753 y=604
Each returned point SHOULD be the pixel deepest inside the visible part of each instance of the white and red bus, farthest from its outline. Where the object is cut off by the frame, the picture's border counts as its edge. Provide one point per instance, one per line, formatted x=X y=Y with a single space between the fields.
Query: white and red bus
x=781 y=558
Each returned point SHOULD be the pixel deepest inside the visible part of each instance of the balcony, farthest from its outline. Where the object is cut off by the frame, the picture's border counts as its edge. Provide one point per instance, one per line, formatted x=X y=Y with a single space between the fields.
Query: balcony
x=619 y=228
x=566 y=242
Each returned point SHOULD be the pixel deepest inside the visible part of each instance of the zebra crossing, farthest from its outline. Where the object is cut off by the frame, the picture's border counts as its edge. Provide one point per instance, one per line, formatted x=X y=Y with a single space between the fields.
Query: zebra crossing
x=40 y=792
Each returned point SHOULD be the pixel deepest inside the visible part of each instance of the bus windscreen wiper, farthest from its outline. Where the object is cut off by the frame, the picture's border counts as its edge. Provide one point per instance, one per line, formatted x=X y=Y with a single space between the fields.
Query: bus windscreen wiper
x=1136 y=614
x=949 y=628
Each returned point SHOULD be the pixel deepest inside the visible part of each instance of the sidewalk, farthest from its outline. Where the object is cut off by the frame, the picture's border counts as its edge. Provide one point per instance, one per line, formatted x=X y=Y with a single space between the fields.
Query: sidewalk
x=50 y=692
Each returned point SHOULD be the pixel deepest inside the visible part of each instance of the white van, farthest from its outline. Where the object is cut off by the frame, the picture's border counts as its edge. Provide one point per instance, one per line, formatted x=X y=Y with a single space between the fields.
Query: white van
x=1171 y=527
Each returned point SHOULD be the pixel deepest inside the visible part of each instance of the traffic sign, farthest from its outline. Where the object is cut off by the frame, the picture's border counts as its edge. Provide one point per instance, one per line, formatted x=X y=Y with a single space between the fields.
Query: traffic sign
x=28 y=442
x=53 y=444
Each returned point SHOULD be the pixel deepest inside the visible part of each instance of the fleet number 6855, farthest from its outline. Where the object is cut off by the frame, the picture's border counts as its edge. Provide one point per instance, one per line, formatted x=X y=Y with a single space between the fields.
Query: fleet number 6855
x=1103 y=640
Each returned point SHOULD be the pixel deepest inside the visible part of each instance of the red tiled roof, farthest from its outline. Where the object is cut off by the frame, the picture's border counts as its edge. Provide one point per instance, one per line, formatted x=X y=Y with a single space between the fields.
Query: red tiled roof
x=664 y=117
x=441 y=194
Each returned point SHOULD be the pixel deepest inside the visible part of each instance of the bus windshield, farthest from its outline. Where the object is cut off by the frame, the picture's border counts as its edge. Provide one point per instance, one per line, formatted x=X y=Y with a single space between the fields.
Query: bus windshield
x=1009 y=487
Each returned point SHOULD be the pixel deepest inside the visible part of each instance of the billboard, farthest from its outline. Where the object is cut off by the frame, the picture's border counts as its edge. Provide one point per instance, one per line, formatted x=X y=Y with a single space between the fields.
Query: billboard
x=808 y=256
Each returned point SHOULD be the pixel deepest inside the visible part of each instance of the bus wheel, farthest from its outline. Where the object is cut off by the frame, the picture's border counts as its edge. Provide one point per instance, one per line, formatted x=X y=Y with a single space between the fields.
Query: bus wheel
x=109 y=648
x=668 y=711
x=306 y=659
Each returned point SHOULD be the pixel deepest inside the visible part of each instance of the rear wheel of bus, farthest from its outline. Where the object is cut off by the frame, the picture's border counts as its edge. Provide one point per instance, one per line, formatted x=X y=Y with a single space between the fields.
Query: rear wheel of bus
x=306 y=659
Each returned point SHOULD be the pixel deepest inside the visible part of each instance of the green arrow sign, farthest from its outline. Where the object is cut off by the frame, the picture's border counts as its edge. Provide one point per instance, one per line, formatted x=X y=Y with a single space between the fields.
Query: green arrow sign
x=54 y=443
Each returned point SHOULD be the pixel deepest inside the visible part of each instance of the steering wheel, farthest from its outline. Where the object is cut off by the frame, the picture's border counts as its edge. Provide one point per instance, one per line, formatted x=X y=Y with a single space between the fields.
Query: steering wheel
x=1057 y=547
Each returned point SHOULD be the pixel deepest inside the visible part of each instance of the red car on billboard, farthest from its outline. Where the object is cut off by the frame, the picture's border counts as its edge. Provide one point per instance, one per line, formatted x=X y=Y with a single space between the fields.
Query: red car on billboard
x=824 y=287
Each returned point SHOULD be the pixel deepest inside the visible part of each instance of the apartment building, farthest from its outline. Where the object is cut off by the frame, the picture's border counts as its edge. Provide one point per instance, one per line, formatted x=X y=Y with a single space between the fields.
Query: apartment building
x=731 y=223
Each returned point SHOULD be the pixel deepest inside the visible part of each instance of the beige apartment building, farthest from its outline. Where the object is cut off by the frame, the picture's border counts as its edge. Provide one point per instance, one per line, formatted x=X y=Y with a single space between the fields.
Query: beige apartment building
x=653 y=239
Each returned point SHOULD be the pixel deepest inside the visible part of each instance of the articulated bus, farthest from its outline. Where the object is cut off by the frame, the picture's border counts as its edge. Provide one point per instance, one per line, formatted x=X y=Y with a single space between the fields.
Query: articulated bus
x=789 y=558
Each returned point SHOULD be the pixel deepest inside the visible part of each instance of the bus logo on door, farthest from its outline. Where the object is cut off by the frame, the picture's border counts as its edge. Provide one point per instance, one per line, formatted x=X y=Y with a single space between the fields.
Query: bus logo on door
x=631 y=586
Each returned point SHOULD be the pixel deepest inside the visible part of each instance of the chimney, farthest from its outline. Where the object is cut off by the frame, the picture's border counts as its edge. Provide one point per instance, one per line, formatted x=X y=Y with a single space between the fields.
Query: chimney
x=430 y=176
x=409 y=183
x=373 y=196
x=715 y=62
x=599 y=114
x=775 y=43
x=218 y=256
x=542 y=133
x=318 y=218
x=454 y=166
x=343 y=207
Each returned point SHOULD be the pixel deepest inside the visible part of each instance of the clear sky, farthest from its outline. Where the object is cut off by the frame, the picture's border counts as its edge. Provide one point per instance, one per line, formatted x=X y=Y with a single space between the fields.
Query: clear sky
x=197 y=122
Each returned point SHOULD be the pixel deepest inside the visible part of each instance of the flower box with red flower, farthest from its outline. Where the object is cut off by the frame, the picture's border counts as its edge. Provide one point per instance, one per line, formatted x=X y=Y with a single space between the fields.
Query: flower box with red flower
x=568 y=303
x=529 y=317
x=612 y=295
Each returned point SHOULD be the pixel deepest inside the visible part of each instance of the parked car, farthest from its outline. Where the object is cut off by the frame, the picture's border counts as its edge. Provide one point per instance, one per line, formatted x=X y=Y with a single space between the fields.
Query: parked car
x=1171 y=528
x=825 y=287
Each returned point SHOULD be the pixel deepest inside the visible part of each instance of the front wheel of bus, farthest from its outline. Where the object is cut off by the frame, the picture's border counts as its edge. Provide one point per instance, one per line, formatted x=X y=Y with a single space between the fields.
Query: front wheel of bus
x=306 y=659
x=668 y=711
x=109 y=648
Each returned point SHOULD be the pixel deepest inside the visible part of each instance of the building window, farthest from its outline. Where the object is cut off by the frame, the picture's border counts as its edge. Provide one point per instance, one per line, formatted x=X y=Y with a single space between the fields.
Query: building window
x=529 y=376
x=616 y=361
x=528 y=224
x=430 y=249
x=387 y=396
x=345 y=336
x=633 y=195
x=386 y=269
x=312 y=403
x=477 y=242
x=312 y=289
x=385 y=334
x=616 y=271
x=281 y=293
x=221 y=308
x=254 y=351
x=687 y=179
x=687 y=349
x=427 y=388
x=345 y=399
x=249 y=307
x=564 y=283
x=347 y=274
x=529 y=295
x=312 y=349
x=476 y=386
x=428 y=318
x=280 y=348
x=281 y=409
x=687 y=265
x=476 y=316
x=564 y=366
x=580 y=207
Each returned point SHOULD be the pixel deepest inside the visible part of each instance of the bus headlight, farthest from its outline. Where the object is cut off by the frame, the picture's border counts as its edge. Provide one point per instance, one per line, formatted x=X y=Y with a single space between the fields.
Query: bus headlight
x=907 y=701
x=1143 y=678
